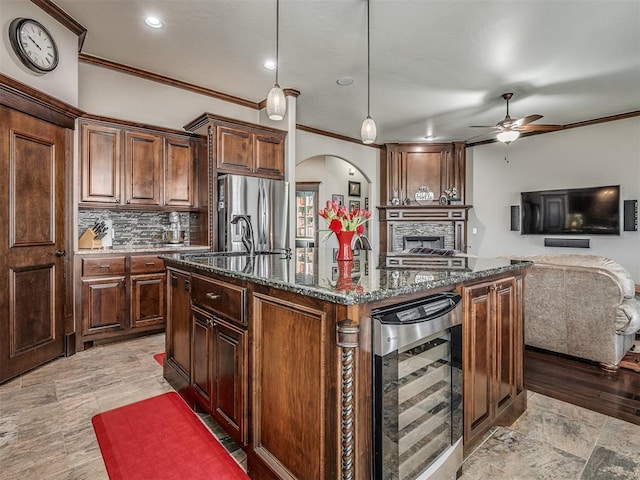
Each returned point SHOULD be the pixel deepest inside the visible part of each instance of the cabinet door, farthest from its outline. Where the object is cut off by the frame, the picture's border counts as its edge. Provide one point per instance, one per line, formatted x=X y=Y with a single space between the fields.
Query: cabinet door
x=103 y=305
x=147 y=300
x=143 y=168
x=202 y=327
x=178 y=172
x=100 y=163
x=229 y=364
x=235 y=150
x=478 y=345
x=178 y=338
x=269 y=155
x=506 y=338
x=422 y=169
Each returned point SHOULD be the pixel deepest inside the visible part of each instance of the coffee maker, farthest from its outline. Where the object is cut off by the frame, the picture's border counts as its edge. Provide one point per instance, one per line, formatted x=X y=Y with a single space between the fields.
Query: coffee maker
x=174 y=235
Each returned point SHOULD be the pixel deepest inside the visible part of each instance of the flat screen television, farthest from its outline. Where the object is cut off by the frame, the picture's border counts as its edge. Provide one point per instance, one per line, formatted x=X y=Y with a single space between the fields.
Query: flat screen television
x=574 y=211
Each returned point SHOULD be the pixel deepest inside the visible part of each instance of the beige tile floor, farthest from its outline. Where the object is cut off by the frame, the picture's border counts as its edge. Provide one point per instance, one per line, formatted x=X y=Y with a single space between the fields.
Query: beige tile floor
x=46 y=432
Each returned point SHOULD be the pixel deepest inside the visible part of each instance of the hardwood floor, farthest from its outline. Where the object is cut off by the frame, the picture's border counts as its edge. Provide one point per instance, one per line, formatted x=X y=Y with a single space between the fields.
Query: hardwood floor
x=582 y=383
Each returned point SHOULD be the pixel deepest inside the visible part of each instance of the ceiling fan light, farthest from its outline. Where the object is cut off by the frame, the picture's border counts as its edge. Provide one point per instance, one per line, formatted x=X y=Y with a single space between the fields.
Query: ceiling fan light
x=508 y=136
x=368 y=131
x=276 y=103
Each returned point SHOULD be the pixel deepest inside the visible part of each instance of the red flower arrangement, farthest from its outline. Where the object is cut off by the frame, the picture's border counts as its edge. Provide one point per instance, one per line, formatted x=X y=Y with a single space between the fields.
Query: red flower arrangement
x=340 y=219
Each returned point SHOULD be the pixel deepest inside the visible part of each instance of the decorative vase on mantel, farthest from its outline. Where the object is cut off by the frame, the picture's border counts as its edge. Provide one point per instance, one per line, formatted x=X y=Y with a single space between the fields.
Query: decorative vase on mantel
x=345 y=252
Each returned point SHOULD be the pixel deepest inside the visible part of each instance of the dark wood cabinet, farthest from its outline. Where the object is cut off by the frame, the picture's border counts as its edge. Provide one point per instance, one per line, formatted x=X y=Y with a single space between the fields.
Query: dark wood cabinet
x=241 y=147
x=120 y=295
x=103 y=305
x=179 y=172
x=143 y=168
x=131 y=166
x=407 y=167
x=492 y=352
x=178 y=333
x=101 y=160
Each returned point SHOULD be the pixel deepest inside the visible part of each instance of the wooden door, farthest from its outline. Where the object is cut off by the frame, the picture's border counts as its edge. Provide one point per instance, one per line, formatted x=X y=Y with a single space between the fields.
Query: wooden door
x=234 y=150
x=100 y=163
x=103 y=305
x=229 y=377
x=179 y=322
x=269 y=155
x=32 y=242
x=147 y=300
x=478 y=344
x=143 y=168
x=178 y=172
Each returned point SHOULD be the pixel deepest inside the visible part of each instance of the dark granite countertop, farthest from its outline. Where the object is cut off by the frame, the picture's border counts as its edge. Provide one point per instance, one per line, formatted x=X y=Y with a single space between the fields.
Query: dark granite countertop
x=159 y=248
x=370 y=277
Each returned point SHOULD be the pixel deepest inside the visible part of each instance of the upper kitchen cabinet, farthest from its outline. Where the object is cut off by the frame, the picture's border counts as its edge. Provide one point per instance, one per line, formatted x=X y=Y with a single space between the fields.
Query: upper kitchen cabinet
x=438 y=166
x=126 y=165
x=143 y=168
x=241 y=147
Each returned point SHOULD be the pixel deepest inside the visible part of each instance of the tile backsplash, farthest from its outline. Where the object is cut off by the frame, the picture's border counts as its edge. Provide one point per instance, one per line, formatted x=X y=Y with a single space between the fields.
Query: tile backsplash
x=134 y=228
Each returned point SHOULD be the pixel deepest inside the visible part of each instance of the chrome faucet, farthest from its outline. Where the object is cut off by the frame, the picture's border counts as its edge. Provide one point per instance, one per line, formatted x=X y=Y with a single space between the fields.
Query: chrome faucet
x=247 y=233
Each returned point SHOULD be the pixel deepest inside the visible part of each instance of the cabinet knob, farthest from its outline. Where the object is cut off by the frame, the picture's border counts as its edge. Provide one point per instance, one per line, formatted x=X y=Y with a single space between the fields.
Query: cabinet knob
x=213 y=296
x=60 y=253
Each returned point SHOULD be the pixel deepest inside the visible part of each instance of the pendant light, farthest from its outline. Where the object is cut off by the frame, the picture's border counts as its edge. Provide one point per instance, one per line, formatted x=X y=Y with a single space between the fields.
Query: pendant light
x=368 y=130
x=276 y=103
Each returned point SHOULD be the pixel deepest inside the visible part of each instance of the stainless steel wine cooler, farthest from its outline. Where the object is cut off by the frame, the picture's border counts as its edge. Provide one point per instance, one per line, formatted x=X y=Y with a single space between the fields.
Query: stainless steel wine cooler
x=417 y=408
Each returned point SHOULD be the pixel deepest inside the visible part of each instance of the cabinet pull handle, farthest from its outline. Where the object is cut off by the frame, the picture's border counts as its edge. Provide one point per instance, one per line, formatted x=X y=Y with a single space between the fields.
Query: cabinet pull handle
x=187 y=285
x=148 y=264
x=213 y=296
x=104 y=266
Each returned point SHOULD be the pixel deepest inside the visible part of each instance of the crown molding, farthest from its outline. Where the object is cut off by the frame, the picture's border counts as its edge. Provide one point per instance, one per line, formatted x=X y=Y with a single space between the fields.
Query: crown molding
x=64 y=18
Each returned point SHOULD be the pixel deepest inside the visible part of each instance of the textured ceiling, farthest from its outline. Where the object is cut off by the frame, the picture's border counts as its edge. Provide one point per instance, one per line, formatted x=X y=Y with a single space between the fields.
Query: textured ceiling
x=437 y=66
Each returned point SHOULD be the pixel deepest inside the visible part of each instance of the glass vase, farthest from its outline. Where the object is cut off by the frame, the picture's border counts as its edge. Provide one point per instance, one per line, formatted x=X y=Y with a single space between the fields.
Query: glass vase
x=345 y=238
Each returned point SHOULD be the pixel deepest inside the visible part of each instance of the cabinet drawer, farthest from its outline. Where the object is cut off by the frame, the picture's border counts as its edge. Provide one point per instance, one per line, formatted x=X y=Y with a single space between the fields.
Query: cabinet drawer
x=146 y=264
x=92 y=267
x=219 y=297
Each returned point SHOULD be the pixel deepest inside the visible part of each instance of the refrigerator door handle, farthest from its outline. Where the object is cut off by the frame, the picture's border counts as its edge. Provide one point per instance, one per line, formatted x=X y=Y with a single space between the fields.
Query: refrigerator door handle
x=266 y=220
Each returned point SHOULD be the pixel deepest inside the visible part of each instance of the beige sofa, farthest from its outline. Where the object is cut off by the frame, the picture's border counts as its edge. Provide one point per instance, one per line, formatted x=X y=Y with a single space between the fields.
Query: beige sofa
x=581 y=305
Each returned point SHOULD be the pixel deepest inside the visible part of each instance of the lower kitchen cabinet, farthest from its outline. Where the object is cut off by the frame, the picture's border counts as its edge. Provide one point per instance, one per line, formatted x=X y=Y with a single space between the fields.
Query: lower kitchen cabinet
x=218 y=371
x=178 y=333
x=492 y=358
x=119 y=296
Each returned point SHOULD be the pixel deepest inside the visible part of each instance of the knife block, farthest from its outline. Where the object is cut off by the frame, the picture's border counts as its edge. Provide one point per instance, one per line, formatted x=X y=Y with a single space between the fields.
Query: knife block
x=89 y=240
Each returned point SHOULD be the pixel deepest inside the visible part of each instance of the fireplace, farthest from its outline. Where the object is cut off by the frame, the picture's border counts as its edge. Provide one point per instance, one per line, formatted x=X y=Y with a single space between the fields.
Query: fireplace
x=422 y=241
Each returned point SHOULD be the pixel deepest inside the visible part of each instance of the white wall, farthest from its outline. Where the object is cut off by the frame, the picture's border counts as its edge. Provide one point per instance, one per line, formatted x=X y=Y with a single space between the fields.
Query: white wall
x=363 y=158
x=602 y=154
x=62 y=83
x=333 y=175
x=113 y=94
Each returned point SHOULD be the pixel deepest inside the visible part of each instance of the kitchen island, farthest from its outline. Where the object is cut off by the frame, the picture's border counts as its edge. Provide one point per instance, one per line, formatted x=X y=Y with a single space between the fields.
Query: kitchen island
x=279 y=350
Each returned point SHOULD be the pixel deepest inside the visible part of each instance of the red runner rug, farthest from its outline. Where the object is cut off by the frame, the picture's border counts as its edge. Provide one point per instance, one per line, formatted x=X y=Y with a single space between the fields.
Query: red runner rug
x=159 y=357
x=162 y=439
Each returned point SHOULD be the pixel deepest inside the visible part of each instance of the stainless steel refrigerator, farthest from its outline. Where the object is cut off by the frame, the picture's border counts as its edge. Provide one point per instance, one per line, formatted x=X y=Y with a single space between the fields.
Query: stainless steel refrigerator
x=265 y=201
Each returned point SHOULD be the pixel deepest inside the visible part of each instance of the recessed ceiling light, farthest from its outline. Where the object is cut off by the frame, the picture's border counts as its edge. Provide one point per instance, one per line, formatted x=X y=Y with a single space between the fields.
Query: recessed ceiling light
x=344 y=81
x=153 y=22
x=269 y=65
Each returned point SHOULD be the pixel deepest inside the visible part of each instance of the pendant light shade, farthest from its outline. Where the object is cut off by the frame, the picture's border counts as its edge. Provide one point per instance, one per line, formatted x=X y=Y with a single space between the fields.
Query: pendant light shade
x=368 y=130
x=276 y=102
x=508 y=136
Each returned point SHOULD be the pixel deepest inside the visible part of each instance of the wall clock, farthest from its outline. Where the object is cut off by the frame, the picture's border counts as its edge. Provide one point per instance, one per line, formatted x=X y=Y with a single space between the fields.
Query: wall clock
x=34 y=45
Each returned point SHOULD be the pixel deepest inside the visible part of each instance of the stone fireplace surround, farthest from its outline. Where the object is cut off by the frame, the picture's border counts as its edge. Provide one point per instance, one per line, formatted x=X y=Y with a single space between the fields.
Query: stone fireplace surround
x=447 y=221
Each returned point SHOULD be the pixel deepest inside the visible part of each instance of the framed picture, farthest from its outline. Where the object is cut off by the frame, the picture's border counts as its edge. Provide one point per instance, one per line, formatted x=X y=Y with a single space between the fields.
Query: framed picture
x=334 y=273
x=356 y=266
x=354 y=204
x=354 y=189
x=335 y=255
x=366 y=203
x=337 y=198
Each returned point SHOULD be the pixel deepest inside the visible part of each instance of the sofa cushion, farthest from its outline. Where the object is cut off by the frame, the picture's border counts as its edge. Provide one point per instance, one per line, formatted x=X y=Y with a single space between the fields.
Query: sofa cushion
x=590 y=261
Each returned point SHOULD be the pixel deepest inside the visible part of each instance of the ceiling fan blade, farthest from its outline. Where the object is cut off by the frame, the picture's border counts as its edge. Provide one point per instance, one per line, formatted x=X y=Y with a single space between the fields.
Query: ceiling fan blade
x=485 y=134
x=482 y=126
x=527 y=119
x=539 y=128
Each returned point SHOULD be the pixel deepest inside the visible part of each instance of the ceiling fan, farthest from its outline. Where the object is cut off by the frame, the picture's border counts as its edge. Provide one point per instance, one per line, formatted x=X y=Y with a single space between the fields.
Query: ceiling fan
x=509 y=129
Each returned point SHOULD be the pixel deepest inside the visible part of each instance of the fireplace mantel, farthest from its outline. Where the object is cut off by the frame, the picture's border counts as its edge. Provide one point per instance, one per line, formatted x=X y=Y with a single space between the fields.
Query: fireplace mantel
x=397 y=217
